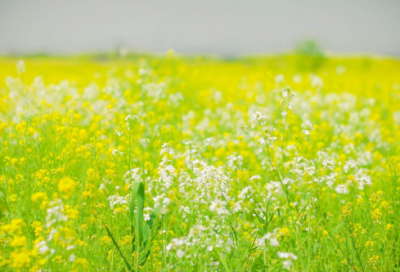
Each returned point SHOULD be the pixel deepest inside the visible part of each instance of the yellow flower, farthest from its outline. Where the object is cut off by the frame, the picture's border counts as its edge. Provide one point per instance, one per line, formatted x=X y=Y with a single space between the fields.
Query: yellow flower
x=66 y=187
x=284 y=231
x=126 y=240
x=90 y=172
x=72 y=213
x=20 y=258
x=18 y=241
x=44 y=205
x=148 y=165
x=110 y=172
x=39 y=196
x=373 y=260
x=37 y=226
x=105 y=239
x=12 y=198
x=369 y=244
x=81 y=263
x=41 y=262
x=376 y=214
x=15 y=226
x=389 y=227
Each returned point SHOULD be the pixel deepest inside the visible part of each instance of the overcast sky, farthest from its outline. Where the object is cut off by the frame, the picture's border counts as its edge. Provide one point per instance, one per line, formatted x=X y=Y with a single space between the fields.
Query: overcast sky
x=223 y=27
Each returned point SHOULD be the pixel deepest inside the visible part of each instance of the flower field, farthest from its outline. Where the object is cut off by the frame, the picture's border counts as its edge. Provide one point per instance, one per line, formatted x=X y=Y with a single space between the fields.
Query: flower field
x=168 y=163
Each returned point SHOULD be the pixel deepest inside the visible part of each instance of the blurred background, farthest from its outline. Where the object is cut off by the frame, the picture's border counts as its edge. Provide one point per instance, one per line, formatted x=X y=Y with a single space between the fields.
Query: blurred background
x=217 y=27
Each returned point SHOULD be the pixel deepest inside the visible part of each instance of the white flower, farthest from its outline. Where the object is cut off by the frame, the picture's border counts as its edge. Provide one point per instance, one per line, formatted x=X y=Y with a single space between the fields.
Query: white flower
x=197 y=230
x=349 y=165
x=362 y=179
x=297 y=78
x=167 y=149
x=261 y=141
x=144 y=142
x=115 y=200
x=258 y=117
x=20 y=67
x=261 y=241
x=287 y=264
x=166 y=201
x=131 y=117
x=330 y=179
x=52 y=233
x=70 y=247
x=255 y=177
x=54 y=213
x=42 y=247
x=219 y=207
x=316 y=81
x=279 y=79
x=208 y=141
x=180 y=253
x=273 y=188
x=287 y=92
x=176 y=243
x=119 y=135
x=133 y=175
x=72 y=258
x=329 y=164
x=235 y=162
x=155 y=90
x=273 y=242
x=287 y=180
x=342 y=189
x=287 y=255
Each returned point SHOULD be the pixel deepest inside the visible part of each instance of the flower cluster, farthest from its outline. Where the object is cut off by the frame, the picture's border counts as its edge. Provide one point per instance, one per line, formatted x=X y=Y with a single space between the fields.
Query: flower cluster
x=250 y=164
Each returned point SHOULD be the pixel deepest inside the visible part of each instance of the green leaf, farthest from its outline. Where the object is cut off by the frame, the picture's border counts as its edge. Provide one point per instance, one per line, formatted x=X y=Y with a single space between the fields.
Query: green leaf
x=223 y=261
x=143 y=233
x=137 y=202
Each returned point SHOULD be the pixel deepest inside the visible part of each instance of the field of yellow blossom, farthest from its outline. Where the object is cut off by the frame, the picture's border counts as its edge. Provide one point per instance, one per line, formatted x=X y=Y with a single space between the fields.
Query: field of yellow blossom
x=169 y=163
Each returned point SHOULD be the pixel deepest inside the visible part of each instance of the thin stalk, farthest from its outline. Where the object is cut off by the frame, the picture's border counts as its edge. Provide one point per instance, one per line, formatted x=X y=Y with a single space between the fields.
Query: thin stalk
x=119 y=250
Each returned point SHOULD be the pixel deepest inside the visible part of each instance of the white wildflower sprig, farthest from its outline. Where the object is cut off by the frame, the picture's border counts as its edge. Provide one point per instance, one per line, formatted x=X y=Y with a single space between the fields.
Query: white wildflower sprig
x=287 y=264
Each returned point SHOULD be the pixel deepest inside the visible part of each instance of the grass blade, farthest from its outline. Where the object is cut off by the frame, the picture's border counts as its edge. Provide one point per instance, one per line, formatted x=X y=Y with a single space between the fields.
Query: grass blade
x=119 y=250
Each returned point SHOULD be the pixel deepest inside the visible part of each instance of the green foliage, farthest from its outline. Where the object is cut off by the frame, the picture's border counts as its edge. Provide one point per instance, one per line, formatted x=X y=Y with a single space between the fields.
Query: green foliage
x=309 y=55
x=3 y=204
x=143 y=234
